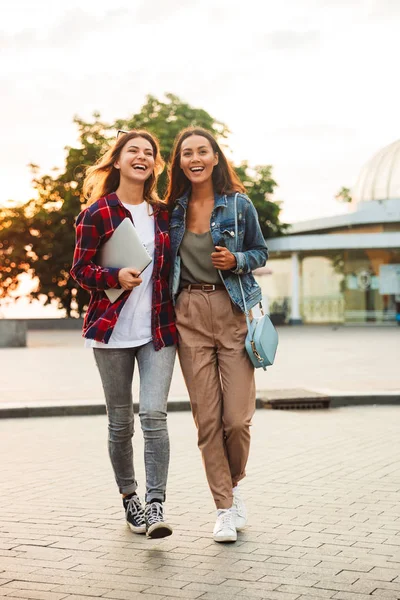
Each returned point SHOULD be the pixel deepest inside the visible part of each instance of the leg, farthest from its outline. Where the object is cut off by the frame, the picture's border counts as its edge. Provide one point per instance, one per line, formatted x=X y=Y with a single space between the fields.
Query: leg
x=116 y=371
x=155 y=370
x=237 y=377
x=200 y=369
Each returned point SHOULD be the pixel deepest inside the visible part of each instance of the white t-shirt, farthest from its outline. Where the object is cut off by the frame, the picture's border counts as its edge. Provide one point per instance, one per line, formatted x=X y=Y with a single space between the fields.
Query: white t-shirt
x=133 y=327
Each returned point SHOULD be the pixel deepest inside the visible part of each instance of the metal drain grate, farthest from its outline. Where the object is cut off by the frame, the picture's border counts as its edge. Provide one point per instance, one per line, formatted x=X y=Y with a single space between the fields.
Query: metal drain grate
x=292 y=399
x=310 y=404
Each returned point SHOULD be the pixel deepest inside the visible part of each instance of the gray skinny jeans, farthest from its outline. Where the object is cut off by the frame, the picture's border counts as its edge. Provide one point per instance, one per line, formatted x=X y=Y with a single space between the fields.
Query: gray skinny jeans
x=116 y=367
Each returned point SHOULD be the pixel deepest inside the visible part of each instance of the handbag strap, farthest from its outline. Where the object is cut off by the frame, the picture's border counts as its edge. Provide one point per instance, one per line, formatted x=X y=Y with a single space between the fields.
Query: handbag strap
x=246 y=312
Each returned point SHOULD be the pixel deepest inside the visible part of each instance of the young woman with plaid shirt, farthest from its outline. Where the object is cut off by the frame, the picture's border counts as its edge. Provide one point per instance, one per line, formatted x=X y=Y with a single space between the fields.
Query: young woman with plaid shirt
x=139 y=326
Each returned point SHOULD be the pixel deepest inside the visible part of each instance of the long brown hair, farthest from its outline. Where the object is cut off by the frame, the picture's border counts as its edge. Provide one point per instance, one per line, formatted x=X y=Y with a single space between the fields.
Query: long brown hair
x=225 y=180
x=103 y=178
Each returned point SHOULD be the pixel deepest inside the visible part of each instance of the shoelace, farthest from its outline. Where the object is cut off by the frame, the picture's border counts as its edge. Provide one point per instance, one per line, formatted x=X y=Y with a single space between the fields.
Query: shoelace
x=136 y=509
x=154 y=513
x=226 y=517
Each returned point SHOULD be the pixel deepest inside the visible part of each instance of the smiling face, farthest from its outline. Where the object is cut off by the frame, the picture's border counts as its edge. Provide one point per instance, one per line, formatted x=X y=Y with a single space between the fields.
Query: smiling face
x=197 y=159
x=136 y=161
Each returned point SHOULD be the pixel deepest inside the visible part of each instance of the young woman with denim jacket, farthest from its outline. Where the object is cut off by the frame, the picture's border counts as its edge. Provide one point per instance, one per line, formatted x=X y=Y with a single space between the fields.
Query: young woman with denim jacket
x=139 y=326
x=207 y=261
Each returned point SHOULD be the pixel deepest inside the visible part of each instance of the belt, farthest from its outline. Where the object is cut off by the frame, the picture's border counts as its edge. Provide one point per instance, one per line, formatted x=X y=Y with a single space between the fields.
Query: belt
x=204 y=287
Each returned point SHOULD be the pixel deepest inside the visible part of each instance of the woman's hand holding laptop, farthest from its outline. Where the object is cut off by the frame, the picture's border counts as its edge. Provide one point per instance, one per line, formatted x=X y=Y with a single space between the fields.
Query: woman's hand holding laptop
x=129 y=278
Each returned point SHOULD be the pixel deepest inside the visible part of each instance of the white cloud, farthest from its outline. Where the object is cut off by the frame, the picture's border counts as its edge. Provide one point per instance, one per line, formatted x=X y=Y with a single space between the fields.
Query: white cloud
x=72 y=27
x=289 y=40
x=159 y=11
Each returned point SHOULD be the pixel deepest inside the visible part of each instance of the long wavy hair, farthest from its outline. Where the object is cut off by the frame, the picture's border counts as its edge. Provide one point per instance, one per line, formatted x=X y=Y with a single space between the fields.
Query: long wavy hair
x=103 y=178
x=225 y=180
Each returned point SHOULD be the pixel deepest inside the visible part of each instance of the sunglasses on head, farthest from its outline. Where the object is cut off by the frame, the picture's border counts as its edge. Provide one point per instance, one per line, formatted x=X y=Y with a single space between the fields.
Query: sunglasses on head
x=121 y=132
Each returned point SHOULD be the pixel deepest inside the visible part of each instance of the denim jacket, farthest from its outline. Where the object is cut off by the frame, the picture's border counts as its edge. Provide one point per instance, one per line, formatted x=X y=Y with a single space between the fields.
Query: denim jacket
x=249 y=250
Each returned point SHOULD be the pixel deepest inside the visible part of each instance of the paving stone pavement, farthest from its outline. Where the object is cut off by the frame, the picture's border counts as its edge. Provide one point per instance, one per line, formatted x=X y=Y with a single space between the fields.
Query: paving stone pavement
x=323 y=359
x=323 y=491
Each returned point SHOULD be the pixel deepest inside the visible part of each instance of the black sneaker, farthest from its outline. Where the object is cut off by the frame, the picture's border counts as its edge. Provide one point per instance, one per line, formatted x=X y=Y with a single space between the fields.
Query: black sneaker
x=155 y=524
x=134 y=514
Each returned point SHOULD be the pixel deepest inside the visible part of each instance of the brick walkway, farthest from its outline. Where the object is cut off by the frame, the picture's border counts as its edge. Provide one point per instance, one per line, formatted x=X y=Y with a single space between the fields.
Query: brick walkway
x=323 y=492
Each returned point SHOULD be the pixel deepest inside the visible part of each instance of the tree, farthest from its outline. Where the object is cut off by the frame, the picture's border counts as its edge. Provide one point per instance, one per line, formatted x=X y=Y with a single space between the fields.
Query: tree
x=37 y=238
x=344 y=195
x=260 y=187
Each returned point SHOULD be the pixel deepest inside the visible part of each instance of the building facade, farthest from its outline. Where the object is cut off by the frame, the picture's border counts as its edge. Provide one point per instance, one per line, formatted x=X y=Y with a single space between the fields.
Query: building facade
x=344 y=268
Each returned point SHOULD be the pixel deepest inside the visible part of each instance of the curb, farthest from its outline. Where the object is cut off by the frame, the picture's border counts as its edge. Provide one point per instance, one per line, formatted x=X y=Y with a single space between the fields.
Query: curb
x=72 y=410
x=271 y=399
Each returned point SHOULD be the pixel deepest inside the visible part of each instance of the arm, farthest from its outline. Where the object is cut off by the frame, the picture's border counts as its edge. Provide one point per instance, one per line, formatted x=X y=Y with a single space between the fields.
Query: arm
x=256 y=253
x=90 y=276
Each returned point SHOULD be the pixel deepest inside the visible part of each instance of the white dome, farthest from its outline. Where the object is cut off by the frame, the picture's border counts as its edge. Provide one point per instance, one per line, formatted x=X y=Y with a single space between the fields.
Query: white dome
x=380 y=177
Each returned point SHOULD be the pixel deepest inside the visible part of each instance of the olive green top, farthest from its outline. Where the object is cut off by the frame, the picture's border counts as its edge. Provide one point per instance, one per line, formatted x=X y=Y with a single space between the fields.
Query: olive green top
x=196 y=265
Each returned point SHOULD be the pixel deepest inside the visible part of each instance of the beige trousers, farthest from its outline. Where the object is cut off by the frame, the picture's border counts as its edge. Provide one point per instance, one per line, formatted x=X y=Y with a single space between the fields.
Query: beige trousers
x=220 y=380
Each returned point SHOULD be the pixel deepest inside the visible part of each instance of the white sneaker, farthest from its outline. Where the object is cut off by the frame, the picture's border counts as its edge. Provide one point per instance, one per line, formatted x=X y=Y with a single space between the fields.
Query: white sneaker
x=239 y=510
x=224 y=529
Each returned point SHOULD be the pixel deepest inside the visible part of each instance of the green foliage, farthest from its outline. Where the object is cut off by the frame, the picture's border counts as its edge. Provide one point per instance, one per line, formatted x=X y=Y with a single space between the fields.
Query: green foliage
x=37 y=238
x=13 y=242
x=260 y=187
x=344 y=195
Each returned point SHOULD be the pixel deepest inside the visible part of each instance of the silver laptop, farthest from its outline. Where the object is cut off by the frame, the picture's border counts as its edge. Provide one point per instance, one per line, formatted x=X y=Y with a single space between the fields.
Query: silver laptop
x=123 y=249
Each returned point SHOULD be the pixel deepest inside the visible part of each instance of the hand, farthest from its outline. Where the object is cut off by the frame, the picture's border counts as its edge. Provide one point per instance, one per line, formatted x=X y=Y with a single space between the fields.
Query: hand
x=129 y=278
x=223 y=259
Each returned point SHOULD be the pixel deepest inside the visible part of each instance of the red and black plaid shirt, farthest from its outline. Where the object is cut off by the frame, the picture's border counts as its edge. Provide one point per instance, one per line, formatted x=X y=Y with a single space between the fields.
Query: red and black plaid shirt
x=94 y=226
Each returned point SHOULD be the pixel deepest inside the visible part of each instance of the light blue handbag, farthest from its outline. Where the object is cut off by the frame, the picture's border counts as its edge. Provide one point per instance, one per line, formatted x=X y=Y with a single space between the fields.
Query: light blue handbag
x=262 y=337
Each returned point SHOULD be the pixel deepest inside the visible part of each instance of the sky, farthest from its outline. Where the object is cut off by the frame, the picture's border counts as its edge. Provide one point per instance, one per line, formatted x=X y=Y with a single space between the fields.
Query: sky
x=308 y=86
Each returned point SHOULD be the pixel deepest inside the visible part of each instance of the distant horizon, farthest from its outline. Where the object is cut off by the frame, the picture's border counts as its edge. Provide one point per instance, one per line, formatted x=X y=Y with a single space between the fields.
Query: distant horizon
x=25 y=310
